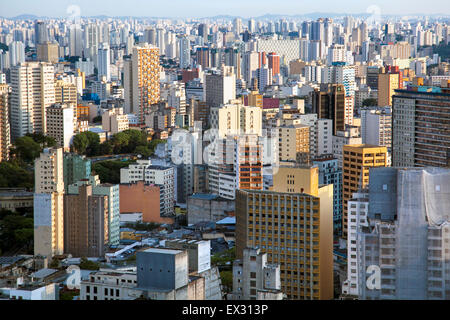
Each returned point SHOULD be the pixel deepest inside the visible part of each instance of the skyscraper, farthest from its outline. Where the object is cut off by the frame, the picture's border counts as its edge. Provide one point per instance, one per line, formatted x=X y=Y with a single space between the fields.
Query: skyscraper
x=103 y=62
x=355 y=172
x=420 y=127
x=40 y=32
x=5 y=134
x=329 y=103
x=85 y=223
x=141 y=80
x=49 y=203
x=295 y=230
x=33 y=91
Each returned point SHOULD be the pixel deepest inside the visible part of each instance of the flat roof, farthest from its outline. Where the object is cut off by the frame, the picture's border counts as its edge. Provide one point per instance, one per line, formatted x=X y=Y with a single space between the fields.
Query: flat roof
x=164 y=251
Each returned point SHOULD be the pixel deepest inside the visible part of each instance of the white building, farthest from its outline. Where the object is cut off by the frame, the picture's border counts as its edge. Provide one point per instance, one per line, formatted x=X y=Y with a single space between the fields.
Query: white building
x=220 y=88
x=376 y=126
x=143 y=170
x=103 y=62
x=61 y=124
x=342 y=138
x=114 y=121
x=33 y=91
x=358 y=209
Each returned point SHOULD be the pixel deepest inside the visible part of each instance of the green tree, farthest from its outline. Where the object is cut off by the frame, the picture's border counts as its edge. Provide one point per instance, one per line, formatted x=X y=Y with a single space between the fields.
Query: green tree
x=80 y=143
x=97 y=119
x=44 y=141
x=109 y=171
x=86 y=264
x=14 y=176
x=227 y=280
x=26 y=149
x=144 y=151
x=370 y=102
x=87 y=143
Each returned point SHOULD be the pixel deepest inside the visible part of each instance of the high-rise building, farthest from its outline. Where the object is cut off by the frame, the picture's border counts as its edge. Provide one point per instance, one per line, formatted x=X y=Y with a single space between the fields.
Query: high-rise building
x=76 y=168
x=203 y=58
x=161 y=176
x=249 y=154
x=141 y=80
x=103 y=62
x=420 y=127
x=376 y=126
x=111 y=191
x=220 y=88
x=16 y=53
x=294 y=143
x=40 y=32
x=185 y=52
x=387 y=84
x=331 y=173
x=60 y=124
x=33 y=91
x=295 y=230
x=49 y=203
x=402 y=240
x=351 y=135
x=85 y=223
x=355 y=172
x=5 y=133
x=329 y=103
x=274 y=63
x=48 y=52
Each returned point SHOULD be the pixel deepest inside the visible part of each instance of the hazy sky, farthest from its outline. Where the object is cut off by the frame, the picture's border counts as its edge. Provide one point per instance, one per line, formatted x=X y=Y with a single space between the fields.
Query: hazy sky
x=203 y=8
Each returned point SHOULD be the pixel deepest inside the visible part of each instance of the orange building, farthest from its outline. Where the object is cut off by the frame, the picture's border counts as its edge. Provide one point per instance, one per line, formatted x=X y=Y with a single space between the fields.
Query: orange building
x=138 y=197
x=274 y=62
x=249 y=163
x=82 y=113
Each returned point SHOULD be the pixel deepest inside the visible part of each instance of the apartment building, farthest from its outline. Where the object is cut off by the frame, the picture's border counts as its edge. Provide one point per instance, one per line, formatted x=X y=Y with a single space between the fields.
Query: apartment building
x=49 y=203
x=60 y=124
x=33 y=91
x=355 y=172
x=5 y=130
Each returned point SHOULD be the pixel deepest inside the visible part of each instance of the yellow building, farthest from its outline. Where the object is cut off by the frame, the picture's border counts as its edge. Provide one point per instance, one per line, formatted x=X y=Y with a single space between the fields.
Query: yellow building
x=293 y=224
x=357 y=159
x=387 y=84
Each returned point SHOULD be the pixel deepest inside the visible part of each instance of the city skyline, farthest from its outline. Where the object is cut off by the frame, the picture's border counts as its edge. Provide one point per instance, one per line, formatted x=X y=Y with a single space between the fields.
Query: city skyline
x=203 y=9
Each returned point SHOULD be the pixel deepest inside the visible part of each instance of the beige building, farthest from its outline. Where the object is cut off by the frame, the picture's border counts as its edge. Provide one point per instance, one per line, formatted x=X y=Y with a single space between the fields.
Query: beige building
x=85 y=223
x=114 y=121
x=5 y=134
x=235 y=119
x=49 y=203
x=294 y=143
x=48 y=52
x=141 y=80
x=296 y=232
x=33 y=91
x=357 y=160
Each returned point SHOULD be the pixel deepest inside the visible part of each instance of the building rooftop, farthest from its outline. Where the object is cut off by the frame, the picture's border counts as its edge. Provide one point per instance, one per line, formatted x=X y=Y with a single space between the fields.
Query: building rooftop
x=227 y=220
x=43 y=273
x=163 y=251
